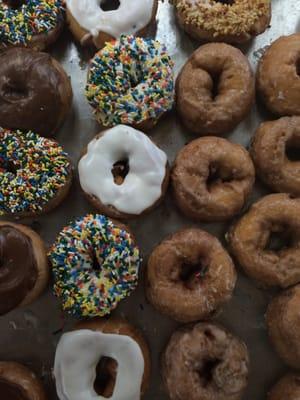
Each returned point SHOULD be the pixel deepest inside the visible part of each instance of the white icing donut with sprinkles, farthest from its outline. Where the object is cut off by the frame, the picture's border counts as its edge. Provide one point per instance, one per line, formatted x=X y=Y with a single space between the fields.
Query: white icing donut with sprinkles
x=94 y=22
x=123 y=173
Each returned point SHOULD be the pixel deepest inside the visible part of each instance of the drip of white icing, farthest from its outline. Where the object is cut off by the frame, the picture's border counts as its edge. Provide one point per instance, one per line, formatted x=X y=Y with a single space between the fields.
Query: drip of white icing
x=76 y=359
x=142 y=186
x=129 y=18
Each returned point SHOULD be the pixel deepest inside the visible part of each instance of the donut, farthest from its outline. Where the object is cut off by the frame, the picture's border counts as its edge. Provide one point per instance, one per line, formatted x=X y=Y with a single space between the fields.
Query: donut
x=24 y=266
x=278 y=73
x=19 y=383
x=123 y=173
x=95 y=264
x=102 y=359
x=231 y=21
x=100 y=21
x=212 y=179
x=265 y=241
x=189 y=275
x=130 y=82
x=35 y=174
x=35 y=91
x=287 y=388
x=273 y=149
x=215 y=89
x=31 y=23
x=283 y=324
x=204 y=361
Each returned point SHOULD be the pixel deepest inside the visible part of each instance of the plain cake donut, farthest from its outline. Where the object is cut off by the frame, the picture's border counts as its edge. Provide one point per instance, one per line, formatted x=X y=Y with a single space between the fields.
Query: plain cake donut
x=287 y=388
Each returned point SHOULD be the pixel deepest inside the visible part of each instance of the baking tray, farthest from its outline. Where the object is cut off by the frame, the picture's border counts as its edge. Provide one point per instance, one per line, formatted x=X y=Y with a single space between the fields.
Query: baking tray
x=30 y=335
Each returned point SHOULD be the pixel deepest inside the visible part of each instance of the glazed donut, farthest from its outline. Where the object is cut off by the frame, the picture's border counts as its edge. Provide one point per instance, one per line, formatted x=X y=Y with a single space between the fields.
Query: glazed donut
x=100 y=21
x=206 y=362
x=231 y=21
x=95 y=263
x=250 y=240
x=270 y=147
x=283 y=324
x=189 y=276
x=19 y=383
x=35 y=174
x=130 y=82
x=123 y=173
x=24 y=267
x=278 y=76
x=32 y=23
x=102 y=351
x=35 y=91
x=288 y=388
x=215 y=89
x=212 y=179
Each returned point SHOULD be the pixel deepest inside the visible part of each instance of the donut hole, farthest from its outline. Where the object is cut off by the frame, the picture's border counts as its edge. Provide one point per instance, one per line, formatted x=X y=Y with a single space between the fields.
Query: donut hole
x=106 y=372
x=216 y=78
x=280 y=238
x=192 y=273
x=10 y=391
x=14 y=4
x=298 y=67
x=206 y=370
x=14 y=91
x=10 y=167
x=217 y=175
x=292 y=150
x=120 y=170
x=109 y=5
x=227 y=2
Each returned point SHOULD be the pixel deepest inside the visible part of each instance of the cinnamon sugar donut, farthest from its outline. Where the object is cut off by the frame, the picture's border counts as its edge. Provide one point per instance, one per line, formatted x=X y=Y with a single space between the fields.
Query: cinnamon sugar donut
x=189 y=275
x=278 y=76
x=270 y=262
x=270 y=152
x=205 y=362
x=215 y=89
x=212 y=179
x=288 y=388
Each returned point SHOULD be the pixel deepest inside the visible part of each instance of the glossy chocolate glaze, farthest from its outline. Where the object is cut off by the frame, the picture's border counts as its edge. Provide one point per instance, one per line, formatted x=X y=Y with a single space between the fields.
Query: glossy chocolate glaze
x=9 y=391
x=18 y=269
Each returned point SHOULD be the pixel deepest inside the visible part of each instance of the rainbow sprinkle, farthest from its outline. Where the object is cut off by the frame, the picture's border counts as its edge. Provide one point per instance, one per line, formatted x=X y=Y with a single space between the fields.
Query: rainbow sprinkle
x=95 y=265
x=18 y=26
x=32 y=171
x=130 y=80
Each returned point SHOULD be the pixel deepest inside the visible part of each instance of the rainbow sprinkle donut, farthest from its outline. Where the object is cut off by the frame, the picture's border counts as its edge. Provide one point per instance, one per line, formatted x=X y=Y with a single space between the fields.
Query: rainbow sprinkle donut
x=130 y=82
x=95 y=263
x=33 y=23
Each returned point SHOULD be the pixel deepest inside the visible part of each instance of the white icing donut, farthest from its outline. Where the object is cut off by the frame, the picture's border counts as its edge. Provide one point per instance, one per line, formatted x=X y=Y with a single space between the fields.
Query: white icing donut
x=77 y=356
x=129 y=18
x=141 y=188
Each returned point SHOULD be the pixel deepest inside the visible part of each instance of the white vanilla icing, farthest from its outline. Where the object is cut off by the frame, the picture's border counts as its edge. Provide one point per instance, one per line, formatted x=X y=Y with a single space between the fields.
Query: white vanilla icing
x=77 y=356
x=142 y=186
x=129 y=18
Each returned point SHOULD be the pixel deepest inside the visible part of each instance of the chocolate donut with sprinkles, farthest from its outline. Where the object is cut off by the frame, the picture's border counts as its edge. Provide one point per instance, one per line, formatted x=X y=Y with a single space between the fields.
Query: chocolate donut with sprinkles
x=30 y=23
x=35 y=174
x=130 y=82
x=95 y=263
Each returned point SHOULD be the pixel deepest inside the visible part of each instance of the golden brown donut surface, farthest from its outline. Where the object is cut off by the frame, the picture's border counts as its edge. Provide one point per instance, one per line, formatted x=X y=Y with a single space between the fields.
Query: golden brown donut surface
x=278 y=76
x=270 y=262
x=288 y=388
x=189 y=275
x=270 y=152
x=212 y=179
x=19 y=383
x=205 y=362
x=283 y=322
x=215 y=89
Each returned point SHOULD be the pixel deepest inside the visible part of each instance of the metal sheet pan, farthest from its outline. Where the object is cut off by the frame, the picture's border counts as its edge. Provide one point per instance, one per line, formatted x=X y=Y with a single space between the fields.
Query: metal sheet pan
x=30 y=335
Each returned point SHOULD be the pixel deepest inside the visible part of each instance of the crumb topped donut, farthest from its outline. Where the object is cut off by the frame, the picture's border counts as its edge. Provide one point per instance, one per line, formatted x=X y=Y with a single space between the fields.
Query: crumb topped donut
x=231 y=21
x=287 y=388
x=204 y=361
x=123 y=173
x=100 y=21
x=215 y=89
x=189 y=275
x=130 y=82
x=32 y=23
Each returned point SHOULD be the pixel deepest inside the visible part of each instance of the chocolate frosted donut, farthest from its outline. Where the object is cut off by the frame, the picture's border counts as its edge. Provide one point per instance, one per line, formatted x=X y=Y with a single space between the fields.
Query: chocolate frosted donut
x=212 y=179
x=215 y=89
x=35 y=91
x=278 y=76
x=272 y=153
x=288 y=388
x=266 y=240
x=24 y=269
x=284 y=325
x=205 y=362
x=189 y=275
